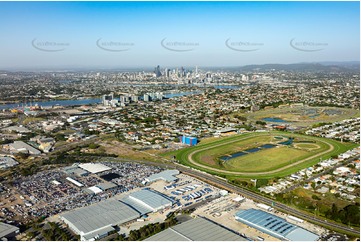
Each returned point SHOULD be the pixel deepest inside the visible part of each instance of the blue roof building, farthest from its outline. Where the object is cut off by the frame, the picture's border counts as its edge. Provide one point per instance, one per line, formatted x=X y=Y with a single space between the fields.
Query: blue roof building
x=273 y=225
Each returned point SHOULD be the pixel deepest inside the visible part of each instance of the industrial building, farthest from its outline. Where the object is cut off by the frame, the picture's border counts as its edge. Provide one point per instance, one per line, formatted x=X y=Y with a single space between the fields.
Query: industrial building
x=167 y=175
x=94 y=167
x=198 y=229
x=147 y=201
x=6 y=162
x=93 y=190
x=22 y=147
x=75 y=182
x=105 y=186
x=75 y=170
x=96 y=221
x=188 y=140
x=274 y=226
x=8 y=231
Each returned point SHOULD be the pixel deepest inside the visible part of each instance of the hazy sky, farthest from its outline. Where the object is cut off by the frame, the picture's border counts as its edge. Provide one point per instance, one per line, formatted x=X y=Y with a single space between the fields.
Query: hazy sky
x=130 y=34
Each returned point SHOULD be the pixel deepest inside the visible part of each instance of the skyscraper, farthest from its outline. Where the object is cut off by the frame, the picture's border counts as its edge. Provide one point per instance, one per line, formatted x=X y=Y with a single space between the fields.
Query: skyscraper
x=167 y=72
x=157 y=71
x=107 y=98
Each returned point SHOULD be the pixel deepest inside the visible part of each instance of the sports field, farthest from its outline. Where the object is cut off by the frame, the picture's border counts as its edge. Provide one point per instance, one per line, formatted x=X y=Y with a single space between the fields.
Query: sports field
x=263 y=154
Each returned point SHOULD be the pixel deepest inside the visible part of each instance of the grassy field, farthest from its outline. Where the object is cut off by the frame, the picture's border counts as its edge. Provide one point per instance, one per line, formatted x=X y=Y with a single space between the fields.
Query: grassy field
x=265 y=160
x=307 y=146
x=266 y=163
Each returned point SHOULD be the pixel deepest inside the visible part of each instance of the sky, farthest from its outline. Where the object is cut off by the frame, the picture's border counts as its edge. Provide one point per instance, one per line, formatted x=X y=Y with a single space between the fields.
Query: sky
x=61 y=35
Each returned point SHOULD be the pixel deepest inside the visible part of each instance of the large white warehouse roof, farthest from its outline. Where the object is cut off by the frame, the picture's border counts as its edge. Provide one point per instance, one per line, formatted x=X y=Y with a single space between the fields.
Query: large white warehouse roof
x=94 y=167
x=99 y=216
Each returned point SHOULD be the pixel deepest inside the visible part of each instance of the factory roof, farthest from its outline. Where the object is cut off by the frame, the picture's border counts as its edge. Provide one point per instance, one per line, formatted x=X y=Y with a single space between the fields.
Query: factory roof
x=199 y=229
x=274 y=225
x=167 y=175
x=94 y=167
x=100 y=215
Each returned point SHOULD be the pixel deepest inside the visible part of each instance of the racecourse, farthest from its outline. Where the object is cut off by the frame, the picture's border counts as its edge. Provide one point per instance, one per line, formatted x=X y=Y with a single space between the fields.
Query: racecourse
x=274 y=162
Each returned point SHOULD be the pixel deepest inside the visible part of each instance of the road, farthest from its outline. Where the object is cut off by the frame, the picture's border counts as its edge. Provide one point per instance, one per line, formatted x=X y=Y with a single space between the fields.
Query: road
x=222 y=183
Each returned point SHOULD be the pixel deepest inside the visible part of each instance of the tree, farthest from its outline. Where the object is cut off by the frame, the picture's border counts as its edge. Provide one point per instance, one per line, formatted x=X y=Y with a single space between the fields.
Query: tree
x=93 y=146
x=334 y=211
x=22 y=155
x=313 y=185
x=261 y=183
x=261 y=123
x=60 y=137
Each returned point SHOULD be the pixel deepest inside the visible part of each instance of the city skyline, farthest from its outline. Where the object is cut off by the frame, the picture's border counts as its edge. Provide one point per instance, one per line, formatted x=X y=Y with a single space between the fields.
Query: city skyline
x=65 y=35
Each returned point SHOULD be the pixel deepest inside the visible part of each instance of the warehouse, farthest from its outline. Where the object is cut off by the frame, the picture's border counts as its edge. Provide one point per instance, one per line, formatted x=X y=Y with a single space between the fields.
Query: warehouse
x=198 y=229
x=167 y=175
x=96 y=221
x=20 y=146
x=147 y=201
x=273 y=225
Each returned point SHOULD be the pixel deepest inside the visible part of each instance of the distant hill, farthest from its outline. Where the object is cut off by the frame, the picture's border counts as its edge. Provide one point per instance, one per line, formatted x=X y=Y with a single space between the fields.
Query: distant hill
x=302 y=67
x=325 y=67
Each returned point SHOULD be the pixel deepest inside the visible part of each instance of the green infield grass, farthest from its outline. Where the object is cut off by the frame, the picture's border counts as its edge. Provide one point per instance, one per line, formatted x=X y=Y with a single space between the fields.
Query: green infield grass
x=278 y=161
